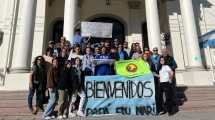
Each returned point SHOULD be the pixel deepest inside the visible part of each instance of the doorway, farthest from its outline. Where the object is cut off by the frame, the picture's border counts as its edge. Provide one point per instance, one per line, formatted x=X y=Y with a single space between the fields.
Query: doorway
x=57 y=31
x=145 y=35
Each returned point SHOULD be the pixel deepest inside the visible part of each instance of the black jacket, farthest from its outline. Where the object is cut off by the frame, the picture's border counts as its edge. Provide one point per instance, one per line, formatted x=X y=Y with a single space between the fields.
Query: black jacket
x=74 y=82
x=64 y=79
x=171 y=62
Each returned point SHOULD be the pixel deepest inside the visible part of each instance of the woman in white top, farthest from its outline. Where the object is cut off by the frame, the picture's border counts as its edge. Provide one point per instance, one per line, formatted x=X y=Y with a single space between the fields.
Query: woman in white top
x=165 y=75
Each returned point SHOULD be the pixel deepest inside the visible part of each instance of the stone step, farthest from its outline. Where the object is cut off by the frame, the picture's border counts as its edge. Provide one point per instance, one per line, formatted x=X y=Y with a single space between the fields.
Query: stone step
x=197 y=98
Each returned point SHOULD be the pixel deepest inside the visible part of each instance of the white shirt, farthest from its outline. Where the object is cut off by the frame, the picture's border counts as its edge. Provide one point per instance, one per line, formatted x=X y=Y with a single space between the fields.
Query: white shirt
x=164 y=73
x=87 y=62
x=74 y=55
x=48 y=59
x=136 y=55
x=127 y=50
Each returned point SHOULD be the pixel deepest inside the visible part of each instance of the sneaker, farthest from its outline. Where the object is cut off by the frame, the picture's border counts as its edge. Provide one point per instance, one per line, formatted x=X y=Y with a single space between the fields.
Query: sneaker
x=38 y=109
x=64 y=116
x=71 y=115
x=35 y=111
x=32 y=110
x=162 y=112
x=81 y=114
x=60 y=117
x=52 y=117
x=41 y=109
x=47 y=118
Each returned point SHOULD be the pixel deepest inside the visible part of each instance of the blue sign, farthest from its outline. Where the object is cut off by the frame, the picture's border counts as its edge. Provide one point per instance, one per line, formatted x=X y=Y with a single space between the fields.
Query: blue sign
x=112 y=95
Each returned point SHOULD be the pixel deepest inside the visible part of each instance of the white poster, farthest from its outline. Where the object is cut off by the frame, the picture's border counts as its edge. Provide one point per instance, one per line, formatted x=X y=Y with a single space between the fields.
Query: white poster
x=96 y=29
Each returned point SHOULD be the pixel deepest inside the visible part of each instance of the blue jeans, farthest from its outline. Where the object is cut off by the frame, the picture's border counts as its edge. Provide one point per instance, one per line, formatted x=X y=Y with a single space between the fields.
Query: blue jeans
x=39 y=97
x=51 y=103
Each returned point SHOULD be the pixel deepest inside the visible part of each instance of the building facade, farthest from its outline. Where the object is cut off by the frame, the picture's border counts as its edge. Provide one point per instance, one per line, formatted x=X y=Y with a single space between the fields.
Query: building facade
x=26 y=26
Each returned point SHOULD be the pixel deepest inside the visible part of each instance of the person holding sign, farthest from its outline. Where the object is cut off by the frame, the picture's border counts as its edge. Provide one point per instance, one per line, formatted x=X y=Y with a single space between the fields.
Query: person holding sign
x=76 y=53
x=77 y=39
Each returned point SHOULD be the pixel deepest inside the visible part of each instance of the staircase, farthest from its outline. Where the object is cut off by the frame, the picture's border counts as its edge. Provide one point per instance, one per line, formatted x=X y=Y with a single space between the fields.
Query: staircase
x=196 y=98
x=13 y=105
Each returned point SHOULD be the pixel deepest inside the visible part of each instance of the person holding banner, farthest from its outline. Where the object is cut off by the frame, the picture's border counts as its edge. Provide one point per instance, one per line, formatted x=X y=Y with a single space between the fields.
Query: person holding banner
x=154 y=59
x=115 y=43
x=96 y=52
x=102 y=44
x=146 y=60
x=107 y=45
x=122 y=55
x=103 y=68
x=133 y=50
x=125 y=46
x=113 y=53
x=165 y=78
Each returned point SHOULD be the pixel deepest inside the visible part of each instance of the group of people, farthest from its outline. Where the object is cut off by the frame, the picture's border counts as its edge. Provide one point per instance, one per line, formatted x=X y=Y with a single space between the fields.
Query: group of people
x=57 y=77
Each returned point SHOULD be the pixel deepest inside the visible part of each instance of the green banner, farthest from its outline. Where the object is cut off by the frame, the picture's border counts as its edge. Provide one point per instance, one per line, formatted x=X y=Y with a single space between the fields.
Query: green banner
x=132 y=68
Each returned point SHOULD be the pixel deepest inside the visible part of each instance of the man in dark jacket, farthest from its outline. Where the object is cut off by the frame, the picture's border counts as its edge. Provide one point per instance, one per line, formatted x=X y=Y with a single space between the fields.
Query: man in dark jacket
x=63 y=87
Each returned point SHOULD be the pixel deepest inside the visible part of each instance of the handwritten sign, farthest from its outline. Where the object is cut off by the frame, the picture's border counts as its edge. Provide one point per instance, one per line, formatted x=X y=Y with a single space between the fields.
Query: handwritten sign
x=112 y=95
x=96 y=29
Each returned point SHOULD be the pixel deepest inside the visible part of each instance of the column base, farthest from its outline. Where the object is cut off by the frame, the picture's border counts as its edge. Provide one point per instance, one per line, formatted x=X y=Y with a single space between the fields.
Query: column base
x=195 y=68
x=19 y=70
x=194 y=77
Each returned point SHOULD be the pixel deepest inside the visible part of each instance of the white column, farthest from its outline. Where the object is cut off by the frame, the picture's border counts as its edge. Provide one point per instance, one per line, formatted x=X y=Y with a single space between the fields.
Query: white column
x=24 y=45
x=153 y=25
x=70 y=18
x=190 y=33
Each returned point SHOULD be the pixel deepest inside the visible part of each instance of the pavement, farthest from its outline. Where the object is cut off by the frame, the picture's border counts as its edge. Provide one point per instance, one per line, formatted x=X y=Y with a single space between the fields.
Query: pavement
x=181 y=115
x=13 y=106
